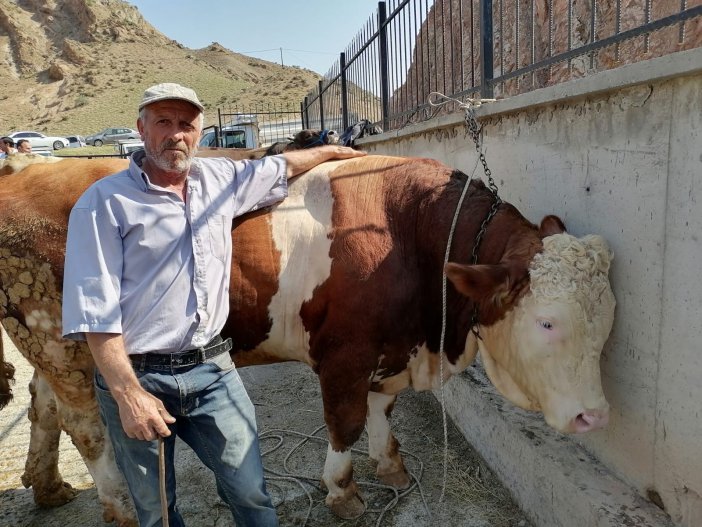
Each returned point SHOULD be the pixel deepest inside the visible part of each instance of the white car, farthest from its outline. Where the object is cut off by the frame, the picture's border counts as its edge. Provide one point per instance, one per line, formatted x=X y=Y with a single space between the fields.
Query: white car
x=40 y=141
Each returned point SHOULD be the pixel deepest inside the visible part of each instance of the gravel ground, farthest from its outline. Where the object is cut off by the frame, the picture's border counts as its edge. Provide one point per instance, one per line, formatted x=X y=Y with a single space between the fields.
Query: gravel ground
x=289 y=412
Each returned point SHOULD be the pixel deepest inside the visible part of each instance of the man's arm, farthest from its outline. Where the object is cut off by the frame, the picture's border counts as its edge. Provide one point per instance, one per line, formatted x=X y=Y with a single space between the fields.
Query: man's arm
x=299 y=161
x=143 y=416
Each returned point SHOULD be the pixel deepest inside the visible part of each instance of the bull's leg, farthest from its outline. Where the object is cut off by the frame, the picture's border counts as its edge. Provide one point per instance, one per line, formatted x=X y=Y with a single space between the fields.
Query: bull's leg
x=344 y=414
x=89 y=436
x=41 y=469
x=382 y=445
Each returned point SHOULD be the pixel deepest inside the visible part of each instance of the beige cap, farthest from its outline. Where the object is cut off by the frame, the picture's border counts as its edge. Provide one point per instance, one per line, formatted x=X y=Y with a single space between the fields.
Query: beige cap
x=170 y=90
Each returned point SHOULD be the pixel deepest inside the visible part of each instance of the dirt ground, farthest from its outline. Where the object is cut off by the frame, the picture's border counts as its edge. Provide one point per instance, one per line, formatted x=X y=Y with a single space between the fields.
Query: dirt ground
x=290 y=422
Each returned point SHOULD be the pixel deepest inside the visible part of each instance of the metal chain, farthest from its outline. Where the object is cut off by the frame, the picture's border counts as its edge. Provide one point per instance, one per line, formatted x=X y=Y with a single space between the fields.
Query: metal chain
x=475 y=131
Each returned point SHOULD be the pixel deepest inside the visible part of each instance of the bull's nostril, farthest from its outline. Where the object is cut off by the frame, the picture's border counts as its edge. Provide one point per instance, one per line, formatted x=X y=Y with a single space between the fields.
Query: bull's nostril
x=590 y=420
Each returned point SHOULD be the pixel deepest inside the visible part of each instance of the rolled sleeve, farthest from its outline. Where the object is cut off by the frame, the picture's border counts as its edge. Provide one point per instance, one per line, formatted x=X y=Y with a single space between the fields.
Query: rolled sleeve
x=260 y=183
x=92 y=271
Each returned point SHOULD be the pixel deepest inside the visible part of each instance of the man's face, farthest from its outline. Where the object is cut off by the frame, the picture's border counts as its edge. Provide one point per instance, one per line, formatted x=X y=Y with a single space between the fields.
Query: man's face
x=170 y=130
x=25 y=148
x=3 y=146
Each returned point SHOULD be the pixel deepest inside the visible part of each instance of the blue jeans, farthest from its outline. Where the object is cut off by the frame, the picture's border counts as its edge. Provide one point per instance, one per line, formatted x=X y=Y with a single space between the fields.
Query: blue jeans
x=215 y=417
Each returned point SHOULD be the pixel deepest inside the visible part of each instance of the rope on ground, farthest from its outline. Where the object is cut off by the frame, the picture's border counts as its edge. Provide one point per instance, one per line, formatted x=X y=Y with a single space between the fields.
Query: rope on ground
x=279 y=434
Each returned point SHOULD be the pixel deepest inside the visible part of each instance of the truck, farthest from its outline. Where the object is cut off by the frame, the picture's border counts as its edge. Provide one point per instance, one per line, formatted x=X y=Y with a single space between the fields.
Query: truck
x=241 y=132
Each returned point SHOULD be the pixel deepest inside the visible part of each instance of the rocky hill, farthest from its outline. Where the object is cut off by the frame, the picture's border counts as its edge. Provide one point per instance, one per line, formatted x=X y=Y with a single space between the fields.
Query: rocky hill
x=77 y=66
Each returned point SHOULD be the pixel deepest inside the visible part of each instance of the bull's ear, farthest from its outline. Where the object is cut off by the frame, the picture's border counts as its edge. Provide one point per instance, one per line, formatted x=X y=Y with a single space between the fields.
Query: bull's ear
x=477 y=281
x=551 y=225
x=494 y=288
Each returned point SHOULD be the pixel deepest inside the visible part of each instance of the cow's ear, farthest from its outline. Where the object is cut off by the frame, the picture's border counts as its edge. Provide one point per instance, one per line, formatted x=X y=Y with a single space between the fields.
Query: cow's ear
x=551 y=225
x=493 y=287
x=477 y=281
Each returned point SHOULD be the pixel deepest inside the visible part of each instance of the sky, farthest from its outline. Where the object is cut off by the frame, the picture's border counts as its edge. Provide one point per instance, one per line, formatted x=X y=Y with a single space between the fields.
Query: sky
x=311 y=33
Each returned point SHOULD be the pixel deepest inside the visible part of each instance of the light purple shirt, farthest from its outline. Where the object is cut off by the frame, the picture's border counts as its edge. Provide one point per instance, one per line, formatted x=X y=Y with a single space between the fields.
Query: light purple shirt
x=142 y=263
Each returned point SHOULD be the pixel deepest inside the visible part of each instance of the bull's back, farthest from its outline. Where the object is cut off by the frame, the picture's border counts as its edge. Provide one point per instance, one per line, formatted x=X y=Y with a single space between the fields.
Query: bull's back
x=293 y=262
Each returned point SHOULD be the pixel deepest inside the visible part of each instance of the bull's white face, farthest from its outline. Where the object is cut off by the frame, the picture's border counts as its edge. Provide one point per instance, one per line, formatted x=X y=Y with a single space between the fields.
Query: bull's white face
x=545 y=354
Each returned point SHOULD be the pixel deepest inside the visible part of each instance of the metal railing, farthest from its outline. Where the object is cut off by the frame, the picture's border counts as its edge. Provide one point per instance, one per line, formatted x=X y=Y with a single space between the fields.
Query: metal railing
x=276 y=122
x=487 y=48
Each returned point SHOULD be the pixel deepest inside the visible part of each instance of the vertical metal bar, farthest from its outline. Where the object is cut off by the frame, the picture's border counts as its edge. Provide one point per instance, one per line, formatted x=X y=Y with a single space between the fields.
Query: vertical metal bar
x=681 y=31
x=453 y=74
x=436 y=67
x=461 y=86
x=570 y=34
x=344 y=94
x=593 y=31
x=417 y=60
x=472 y=45
x=502 y=41
x=516 y=40
x=647 y=36
x=617 y=28
x=384 y=91
x=393 y=62
x=444 y=73
x=321 y=104
x=486 y=66
x=306 y=114
x=533 y=42
x=219 y=119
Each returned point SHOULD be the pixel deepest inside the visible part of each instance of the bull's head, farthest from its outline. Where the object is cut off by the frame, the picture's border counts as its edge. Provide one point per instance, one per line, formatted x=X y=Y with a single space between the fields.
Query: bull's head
x=544 y=353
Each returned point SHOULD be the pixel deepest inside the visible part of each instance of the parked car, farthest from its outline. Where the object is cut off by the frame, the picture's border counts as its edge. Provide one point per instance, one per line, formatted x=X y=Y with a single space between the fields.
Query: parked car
x=112 y=136
x=75 y=141
x=40 y=141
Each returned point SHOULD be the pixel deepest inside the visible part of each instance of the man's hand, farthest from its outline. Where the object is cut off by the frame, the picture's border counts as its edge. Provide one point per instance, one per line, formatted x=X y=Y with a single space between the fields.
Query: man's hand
x=300 y=161
x=143 y=416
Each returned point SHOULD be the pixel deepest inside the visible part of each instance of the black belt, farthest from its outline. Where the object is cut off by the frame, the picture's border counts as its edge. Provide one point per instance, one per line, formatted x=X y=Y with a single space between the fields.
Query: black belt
x=182 y=359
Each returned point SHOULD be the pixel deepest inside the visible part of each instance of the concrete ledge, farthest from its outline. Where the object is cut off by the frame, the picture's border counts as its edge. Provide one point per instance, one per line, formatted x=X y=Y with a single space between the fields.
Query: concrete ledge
x=554 y=479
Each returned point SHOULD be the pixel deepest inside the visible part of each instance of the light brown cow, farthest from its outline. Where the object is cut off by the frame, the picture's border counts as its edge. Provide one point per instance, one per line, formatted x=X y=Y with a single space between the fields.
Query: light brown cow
x=344 y=275
x=16 y=162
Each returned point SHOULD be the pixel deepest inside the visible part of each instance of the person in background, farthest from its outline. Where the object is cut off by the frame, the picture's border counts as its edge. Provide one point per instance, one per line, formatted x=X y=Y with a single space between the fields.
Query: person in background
x=24 y=146
x=7 y=145
x=147 y=270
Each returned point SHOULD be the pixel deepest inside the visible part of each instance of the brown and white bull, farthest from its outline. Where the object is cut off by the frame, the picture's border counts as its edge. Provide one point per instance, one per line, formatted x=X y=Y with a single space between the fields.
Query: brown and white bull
x=346 y=276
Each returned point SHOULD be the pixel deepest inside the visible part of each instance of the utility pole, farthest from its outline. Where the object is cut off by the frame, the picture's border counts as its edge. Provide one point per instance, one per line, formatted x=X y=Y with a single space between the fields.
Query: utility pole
x=281 y=57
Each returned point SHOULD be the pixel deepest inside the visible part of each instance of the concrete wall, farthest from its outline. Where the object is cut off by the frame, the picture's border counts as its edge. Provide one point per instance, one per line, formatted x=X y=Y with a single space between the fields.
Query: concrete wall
x=618 y=154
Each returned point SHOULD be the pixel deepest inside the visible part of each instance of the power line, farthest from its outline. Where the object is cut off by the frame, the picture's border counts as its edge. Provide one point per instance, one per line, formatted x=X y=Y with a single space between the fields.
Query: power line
x=287 y=49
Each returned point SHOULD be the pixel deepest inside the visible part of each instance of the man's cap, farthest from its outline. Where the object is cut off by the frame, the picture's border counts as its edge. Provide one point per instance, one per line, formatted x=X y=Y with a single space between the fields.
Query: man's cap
x=8 y=141
x=170 y=90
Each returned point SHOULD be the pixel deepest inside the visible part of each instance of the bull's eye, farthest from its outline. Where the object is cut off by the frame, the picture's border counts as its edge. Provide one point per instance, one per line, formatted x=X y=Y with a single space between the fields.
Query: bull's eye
x=546 y=324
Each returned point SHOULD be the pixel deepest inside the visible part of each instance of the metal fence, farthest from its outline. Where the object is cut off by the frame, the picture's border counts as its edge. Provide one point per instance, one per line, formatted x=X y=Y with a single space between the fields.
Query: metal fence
x=488 y=48
x=276 y=122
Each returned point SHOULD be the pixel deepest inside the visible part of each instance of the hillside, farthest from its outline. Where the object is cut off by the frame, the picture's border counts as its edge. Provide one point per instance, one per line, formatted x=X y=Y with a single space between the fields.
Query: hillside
x=77 y=66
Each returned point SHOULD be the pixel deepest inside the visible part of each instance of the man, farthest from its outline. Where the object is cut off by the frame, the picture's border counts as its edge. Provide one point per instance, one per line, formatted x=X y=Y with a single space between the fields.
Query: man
x=24 y=146
x=7 y=145
x=146 y=284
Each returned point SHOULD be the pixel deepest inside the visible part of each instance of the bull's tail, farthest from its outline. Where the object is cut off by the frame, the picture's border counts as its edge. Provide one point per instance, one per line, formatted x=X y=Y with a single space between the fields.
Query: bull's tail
x=7 y=378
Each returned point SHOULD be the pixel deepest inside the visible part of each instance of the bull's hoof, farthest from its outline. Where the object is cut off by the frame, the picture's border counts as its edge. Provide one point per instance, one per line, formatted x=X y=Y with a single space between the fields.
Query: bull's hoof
x=122 y=518
x=56 y=496
x=398 y=479
x=347 y=509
